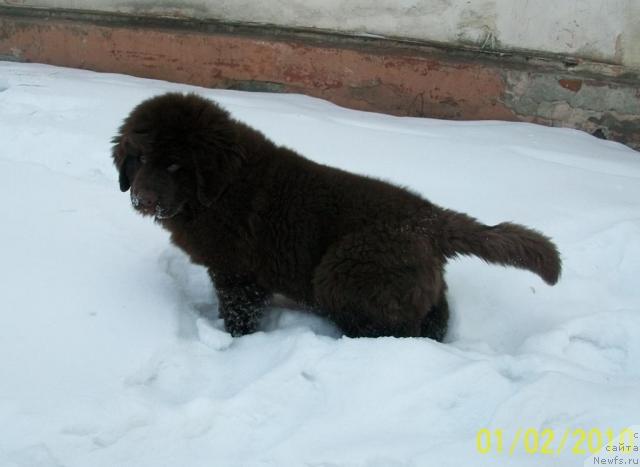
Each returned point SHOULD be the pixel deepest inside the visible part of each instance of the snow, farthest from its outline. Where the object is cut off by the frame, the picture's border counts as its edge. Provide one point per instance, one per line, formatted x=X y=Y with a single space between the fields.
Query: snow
x=105 y=359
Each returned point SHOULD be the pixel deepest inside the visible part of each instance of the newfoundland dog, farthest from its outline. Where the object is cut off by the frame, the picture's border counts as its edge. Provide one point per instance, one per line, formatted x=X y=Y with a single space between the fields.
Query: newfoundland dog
x=262 y=219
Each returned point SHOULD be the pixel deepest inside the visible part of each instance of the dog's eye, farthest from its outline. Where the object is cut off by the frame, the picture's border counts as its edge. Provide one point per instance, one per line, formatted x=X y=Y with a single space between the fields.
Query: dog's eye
x=173 y=168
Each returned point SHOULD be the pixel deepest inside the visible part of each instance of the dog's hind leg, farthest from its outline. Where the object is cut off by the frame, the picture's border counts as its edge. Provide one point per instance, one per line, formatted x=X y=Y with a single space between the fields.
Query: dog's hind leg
x=381 y=283
x=436 y=322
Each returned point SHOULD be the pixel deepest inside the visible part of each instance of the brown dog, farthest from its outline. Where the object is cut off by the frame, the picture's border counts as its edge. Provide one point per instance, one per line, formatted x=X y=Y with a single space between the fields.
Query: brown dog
x=263 y=220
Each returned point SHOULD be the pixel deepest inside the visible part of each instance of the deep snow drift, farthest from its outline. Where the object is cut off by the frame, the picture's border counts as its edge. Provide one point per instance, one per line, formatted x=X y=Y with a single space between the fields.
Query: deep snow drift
x=104 y=360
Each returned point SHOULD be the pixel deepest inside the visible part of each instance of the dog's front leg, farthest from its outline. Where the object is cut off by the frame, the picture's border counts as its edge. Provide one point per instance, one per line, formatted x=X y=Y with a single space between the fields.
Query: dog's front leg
x=241 y=302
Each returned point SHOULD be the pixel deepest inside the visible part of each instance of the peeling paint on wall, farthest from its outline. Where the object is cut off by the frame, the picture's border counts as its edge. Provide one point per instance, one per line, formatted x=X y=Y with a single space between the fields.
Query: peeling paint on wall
x=607 y=111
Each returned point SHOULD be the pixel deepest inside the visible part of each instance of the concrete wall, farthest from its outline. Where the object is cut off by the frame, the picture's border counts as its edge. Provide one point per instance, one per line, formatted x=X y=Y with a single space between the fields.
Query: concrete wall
x=600 y=30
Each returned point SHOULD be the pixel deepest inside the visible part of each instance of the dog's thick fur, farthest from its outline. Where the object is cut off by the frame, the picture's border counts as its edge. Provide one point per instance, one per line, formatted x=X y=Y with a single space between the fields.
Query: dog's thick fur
x=263 y=219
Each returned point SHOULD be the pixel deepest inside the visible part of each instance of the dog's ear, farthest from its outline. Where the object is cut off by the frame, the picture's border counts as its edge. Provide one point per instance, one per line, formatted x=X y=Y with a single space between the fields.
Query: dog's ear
x=217 y=158
x=119 y=155
x=125 y=151
x=125 y=183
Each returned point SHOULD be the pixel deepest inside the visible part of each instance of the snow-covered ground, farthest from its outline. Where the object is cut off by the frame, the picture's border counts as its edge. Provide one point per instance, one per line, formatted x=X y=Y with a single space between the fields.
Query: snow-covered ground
x=105 y=361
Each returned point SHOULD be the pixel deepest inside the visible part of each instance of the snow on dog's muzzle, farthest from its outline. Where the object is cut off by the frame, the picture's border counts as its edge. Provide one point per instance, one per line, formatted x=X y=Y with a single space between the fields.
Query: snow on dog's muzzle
x=135 y=201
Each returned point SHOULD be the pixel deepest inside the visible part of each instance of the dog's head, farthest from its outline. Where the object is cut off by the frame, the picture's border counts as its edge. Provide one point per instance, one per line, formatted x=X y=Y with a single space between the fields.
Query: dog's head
x=176 y=150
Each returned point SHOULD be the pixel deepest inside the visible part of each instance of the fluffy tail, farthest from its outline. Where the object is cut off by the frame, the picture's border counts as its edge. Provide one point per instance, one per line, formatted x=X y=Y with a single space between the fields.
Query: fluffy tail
x=506 y=244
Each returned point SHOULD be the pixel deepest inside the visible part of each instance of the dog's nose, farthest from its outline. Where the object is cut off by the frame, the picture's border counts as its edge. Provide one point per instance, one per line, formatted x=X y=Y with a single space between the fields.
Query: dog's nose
x=147 y=198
